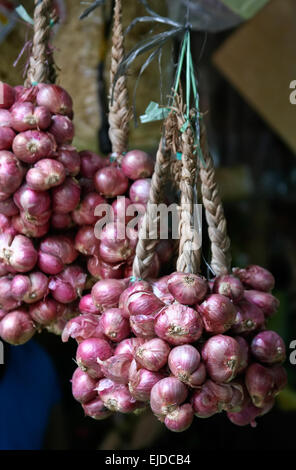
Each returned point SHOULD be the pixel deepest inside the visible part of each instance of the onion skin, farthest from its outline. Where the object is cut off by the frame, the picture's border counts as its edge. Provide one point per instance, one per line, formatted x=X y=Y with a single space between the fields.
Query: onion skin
x=246 y=416
x=116 y=397
x=128 y=346
x=230 y=286
x=61 y=221
x=140 y=190
x=7 y=299
x=46 y=173
x=245 y=354
x=5 y=118
x=83 y=386
x=248 y=318
x=263 y=300
x=166 y=395
x=178 y=324
x=24 y=227
x=17 y=327
x=68 y=285
x=11 y=173
x=62 y=129
x=153 y=354
x=30 y=146
x=55 y=99
x=101 y=270
x=96 y=409
x=22 y=254
x=86 y=305
x=184 y=362
x=116 y=368
x=141 y=381
x=110 y=181
x=7 y=136
x=66 y=197
x=88 y=353
x=143 y=325
x=218 y=313
x=84 y=213
x=221 y=355
x=188 y=289
x=179 y=419
x=137 y=286
x=114 y=325
x=259 y=382
x=69 y=158
x=119 y=207
x=45 y=311
x=143 y=303
x=90 y=163
x=83 y=327
x=33 y=203
x=268 y=347
x=137 y=164
x=8 y=208
x=255 y=277
x=55 y=252
x=106 y=293
x=30 y=288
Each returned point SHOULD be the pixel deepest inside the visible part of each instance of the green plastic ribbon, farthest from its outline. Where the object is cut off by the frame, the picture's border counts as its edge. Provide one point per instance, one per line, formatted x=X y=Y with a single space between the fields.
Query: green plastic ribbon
x=154 y=112
x=245 y=8
x=24 y=15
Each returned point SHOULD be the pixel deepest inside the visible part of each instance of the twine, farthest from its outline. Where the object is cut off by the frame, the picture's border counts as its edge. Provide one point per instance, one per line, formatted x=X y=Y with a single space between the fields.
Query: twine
x=118 y=106
x=41 y=65
x=217 y=227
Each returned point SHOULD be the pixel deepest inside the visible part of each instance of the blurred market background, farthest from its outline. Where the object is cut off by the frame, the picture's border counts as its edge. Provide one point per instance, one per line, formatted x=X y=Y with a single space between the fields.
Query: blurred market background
x=245 y=62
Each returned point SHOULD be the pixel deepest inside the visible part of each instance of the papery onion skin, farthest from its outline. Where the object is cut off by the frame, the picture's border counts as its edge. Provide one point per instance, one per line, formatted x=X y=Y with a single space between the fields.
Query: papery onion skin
x=55 y=251
x=86 y=305
x=46 y=173
x=263 y=300
x=5 y=118
x=255 y=277
x=110 y=181
x=8 y=208
x=178 y=324
x=106 y=293
x=69 y=158
x=31 y=288
x=218 y=313
x=221 y=355
x=11 y=172
x=183 y=361
x=66 y=197
x=45 y=311
x=83 y=327
x=259 y=382
x=84 y=214
x=7 y=136
x=268 y=347
x=116 y=368
x=116 y=397
x=88 y=353
x=166 y=395
x=245 y=355
x=140 y=190
x=188 y=289
x=24 y=227
x=30 y=146
x=128 y=346
x=96 y=409
x=114 y=325
x=248 y=318
x=137 y=164
x=143 y=303
x=17 y=327
x=55 y=98
x=153 y=354
x=230 y=286
x=179 y=419
x=101 y=270
x=90 y=163
x=141 y=381
x=62 y=129
x=83 y=386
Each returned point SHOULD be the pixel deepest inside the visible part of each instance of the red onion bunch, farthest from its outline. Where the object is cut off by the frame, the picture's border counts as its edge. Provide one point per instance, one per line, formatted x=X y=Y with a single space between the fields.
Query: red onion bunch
x=184 y=345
